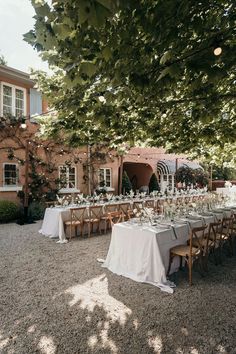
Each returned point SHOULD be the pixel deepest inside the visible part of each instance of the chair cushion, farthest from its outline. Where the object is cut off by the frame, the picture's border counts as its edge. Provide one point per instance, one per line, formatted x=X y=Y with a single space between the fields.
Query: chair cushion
x=91 y=220
x=183 y=250
x=73 y=222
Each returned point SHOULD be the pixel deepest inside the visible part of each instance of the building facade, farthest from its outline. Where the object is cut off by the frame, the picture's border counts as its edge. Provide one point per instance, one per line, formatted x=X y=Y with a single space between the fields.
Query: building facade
x=83 y=173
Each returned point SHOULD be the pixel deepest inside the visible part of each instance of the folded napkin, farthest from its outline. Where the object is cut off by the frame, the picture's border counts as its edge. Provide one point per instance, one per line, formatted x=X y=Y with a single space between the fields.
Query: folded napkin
x=170 y=226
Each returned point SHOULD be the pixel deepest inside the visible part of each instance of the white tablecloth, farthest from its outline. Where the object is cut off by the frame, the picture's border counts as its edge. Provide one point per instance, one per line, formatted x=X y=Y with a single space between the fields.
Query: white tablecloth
x=53 y=223
x=141 y=253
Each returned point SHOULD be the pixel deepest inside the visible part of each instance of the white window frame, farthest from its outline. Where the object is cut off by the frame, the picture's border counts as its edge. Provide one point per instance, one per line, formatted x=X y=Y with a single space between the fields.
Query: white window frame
x=104 y=175
x=14 y=88
x=67 y=177
x=17 y=175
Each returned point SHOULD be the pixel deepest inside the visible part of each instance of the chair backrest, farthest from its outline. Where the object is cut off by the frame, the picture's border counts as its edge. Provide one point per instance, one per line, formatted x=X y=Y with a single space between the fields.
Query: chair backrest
x=115 y=217
x=198 y=234
x=214 y=229
x=95 y=212
x=111 y=207
x=77 y=214
x=150 y=203
x=125 y=208
x=137 y=205
x=227 y=225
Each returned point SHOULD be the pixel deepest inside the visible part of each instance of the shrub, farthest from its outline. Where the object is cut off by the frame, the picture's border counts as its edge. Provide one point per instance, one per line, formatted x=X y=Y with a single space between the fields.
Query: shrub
x=153 y=183
x=9 y=211
x=36 y=211
x=126 y=184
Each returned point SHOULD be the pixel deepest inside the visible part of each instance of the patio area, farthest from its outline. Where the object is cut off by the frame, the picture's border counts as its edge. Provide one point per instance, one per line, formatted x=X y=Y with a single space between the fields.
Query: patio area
x=58 y=299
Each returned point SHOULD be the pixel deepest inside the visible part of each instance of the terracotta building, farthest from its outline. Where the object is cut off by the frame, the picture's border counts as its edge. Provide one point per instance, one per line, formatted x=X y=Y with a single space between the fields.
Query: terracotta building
x=19 y=98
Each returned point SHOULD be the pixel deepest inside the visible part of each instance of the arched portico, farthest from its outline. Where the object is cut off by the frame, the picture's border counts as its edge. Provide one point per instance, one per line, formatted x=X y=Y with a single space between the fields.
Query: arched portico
x=139 y=173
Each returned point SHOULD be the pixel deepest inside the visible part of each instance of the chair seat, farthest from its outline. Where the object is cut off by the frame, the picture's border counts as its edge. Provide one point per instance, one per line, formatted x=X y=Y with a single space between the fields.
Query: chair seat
x=183 y=250
x=91 y=220
x=73 y=223
x=220 y=237
x=104 y=217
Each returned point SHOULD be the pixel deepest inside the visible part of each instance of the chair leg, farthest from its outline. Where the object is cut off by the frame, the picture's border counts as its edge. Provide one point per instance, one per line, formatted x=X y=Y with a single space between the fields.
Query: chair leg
x=190 y=270
x=99 y=228
x=170 y=262
x=180 y=263
x=231 y=245
x=105 y=226
x=81 y=230
x=70 y=232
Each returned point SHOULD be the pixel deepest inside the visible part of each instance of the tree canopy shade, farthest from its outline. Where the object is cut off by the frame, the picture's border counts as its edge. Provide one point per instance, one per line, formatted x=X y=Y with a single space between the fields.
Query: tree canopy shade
x=140 y=70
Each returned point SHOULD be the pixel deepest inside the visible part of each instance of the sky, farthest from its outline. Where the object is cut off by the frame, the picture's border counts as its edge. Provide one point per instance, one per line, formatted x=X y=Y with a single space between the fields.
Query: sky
x=15 y=20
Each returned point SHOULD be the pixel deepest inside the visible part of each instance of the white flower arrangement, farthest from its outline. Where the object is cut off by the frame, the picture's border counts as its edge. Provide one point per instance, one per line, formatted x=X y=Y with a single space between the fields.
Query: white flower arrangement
x=143 y=194
x=109 y=197
x=144 y=213
x=154 y=193
x=80 y=197
x=60 y=199
x=228 y=184
x=131 y=194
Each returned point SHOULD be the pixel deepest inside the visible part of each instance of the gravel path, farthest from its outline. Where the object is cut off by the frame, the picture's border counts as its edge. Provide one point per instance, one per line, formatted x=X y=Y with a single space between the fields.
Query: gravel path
x=57 y=299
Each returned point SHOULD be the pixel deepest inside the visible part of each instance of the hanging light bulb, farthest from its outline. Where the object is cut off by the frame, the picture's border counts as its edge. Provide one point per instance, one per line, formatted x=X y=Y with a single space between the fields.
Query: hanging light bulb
x=217 y=51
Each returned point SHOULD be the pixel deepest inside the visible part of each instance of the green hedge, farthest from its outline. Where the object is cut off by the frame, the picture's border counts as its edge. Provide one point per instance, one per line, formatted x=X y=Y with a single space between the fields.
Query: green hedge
x=9 y=211
x=36 y=210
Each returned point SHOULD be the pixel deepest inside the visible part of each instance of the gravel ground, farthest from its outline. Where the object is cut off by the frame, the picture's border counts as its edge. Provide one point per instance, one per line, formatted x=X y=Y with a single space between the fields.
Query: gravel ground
x=58 y=299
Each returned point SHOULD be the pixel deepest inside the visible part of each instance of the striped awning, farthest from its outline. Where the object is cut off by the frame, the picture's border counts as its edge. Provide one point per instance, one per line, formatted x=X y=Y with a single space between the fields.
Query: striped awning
x=168 y=167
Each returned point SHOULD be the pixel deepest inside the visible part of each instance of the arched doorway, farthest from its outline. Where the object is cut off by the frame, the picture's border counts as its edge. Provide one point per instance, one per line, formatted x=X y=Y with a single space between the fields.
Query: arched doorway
x=139 y=173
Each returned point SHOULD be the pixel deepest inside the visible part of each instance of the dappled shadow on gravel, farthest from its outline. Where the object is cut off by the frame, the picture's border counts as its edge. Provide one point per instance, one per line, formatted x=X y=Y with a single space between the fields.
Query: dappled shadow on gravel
x=58 y=299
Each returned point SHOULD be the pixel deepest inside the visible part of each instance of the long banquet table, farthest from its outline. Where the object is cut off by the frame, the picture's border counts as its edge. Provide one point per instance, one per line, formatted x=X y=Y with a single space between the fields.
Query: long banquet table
x=141 y=252
x=54 y=218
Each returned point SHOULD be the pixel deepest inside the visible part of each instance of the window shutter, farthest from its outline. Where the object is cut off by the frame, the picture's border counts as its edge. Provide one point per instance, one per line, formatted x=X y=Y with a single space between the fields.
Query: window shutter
x=35 y=103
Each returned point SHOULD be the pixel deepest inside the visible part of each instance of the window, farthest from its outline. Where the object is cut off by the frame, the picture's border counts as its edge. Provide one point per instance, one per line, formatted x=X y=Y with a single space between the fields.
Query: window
x=105 y=177
x=10 y=174
x=67 y=176
x=13 y=100
x=35 y=103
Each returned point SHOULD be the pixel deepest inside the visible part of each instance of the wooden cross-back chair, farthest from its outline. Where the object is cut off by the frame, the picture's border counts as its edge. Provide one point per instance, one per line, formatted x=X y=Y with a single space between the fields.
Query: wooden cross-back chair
x=195 y=249
x=138 y=205
x=214 y=239
x=150 y=203
x=160 y=206
x=108 y=209
x=125 y=208
x=95 y=213
x=227 y=233
x=77 y=216
x=115 y=217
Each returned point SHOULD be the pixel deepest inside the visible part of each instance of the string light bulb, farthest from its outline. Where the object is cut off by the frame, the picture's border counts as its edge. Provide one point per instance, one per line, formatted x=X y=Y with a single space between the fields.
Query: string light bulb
x=217 y=51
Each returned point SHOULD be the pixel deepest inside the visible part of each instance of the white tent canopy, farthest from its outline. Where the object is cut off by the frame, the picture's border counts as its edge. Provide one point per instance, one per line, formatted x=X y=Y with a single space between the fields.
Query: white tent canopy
x=166 y=171
x=168 y=167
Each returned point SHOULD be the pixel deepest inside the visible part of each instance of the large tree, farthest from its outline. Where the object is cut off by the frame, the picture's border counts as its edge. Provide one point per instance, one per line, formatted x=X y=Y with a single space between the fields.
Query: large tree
x=140 y=69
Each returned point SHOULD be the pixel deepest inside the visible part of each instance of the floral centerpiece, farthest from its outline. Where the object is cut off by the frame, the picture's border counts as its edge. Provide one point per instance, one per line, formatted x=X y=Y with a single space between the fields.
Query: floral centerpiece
x=131 y=194
x=144 y=214
x=228 y=184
